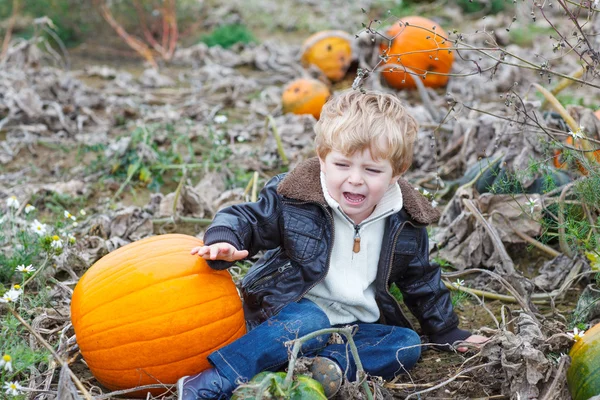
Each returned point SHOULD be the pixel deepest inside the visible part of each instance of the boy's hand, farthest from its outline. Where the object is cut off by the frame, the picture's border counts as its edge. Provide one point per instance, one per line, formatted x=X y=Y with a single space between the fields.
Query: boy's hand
x=220 y=251
x=475 y=339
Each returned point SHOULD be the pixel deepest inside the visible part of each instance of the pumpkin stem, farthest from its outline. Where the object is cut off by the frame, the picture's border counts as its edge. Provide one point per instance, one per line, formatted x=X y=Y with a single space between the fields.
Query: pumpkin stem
x=563 y=84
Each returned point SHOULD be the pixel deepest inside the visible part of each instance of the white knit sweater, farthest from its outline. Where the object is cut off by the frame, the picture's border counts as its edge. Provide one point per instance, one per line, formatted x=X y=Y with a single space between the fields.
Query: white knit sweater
x=347 y=294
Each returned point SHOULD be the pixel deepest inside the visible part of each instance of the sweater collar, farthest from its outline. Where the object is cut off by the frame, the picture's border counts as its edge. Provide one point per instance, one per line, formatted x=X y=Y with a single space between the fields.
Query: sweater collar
x=303 y=183
x=390 y=203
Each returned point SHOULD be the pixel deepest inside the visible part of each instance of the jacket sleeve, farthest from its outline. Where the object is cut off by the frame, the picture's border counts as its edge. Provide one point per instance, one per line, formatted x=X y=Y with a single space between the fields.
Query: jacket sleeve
x=427 y=297
x=248 y=226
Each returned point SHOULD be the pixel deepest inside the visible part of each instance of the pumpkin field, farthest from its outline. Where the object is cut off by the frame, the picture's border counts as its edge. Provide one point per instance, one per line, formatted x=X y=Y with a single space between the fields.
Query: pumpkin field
x=126 y=125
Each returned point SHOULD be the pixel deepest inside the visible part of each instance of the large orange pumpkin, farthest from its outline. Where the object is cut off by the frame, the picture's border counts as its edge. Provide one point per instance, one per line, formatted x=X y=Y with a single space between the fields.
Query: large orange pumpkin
x=305 y=96
x=330 y=51
x=150 y=312
x=583 y=376
x=415 y=47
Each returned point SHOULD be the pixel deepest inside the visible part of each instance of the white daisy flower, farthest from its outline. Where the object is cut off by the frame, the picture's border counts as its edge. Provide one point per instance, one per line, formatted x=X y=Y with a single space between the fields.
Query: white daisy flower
x=6 y=363
x=12 y=388
x=38 y=227
x=82 y=212
x=576 y=334
x=12 y=202
x=459 y=282
x=56 y=242
x=11 y=296
x=68 y=215
x=29 y=208
x=220 y=119
x=578 y=134
x=532 y=204
x=25 y=269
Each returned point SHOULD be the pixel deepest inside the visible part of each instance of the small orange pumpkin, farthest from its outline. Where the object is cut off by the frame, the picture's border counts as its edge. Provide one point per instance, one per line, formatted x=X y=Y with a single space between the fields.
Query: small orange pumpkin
x=150 y=312
x=415 y=47
x=305 y=96
x=583 y=376
x=558 y=159
x=330 y=51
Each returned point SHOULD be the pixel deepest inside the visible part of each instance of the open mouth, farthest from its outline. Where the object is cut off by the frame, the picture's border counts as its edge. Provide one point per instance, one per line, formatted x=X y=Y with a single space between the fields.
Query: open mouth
x=354 y=198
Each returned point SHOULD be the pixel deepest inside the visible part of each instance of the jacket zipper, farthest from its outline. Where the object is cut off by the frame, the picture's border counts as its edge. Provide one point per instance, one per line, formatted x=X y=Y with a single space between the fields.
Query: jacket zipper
x=265 y=278
x=330 y=218
x=389 y=273
x=356 y=245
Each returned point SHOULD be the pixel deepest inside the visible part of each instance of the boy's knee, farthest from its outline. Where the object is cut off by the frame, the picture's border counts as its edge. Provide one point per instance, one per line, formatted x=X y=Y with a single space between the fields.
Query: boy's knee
x=410 y=351
x=303 y=317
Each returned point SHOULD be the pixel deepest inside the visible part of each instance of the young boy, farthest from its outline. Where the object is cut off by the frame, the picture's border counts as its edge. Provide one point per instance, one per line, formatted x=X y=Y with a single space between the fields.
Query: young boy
x=340 y=229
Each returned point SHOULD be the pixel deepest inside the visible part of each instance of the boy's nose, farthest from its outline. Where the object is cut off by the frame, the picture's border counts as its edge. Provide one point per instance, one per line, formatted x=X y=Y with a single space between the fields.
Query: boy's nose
x=355 y=179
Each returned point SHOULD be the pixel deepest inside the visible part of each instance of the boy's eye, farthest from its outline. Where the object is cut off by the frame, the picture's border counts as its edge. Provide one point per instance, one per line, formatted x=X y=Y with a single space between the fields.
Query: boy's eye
x=374 y=170
x=341 y=165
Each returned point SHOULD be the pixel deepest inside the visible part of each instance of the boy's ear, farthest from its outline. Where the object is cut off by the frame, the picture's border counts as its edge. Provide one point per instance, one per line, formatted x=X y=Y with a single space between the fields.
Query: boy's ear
x=322 y=164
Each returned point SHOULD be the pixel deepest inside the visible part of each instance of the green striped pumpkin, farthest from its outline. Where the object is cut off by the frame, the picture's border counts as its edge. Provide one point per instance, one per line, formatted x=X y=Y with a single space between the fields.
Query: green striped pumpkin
x=583 y=376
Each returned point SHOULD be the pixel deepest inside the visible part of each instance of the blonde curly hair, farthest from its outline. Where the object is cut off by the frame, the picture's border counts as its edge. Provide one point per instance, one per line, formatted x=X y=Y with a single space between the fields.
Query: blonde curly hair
x=353 y=121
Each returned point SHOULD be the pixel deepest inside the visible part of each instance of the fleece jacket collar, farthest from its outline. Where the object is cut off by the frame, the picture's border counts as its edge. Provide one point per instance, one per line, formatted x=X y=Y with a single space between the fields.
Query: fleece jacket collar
x=304 y=183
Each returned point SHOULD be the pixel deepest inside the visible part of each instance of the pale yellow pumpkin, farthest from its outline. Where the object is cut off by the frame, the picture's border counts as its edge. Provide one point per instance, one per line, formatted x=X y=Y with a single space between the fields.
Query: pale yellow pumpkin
x=330 y=51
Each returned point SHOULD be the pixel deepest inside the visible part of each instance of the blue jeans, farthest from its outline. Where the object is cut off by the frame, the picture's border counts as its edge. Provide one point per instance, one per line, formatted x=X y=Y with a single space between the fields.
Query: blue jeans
x=384 y=350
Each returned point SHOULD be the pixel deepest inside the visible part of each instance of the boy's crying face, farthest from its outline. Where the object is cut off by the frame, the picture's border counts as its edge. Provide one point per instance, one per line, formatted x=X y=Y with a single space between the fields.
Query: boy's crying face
x=357 y=182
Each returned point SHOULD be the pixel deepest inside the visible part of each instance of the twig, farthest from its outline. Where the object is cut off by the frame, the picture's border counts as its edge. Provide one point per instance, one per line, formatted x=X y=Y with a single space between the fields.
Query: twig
x=563 y=84
x=135 y=389
x=588 y=151
x=550 y=393
x=201 y=221
x=590 y=219
x=417 y=78
x=507 y=262
x=482 y=304
x=526 y=237
x=504 y=283
x=483 y=293
x=562 y=238
x=536 y=297
x=254 y=195
x=270 y=121
x=76 y=380
x=133 y=168
x=178 y=192
x=447 y=381
x=249 y=185
x=136 y=44
x=37 y=271
x=177 y=166
x=11 y=23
